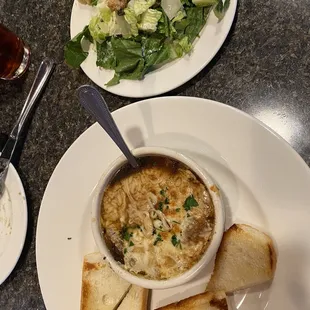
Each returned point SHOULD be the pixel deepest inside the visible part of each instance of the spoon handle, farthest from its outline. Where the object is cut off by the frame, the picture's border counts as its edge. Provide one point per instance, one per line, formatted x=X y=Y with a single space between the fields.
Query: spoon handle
x=94 y=103
x=44 y=72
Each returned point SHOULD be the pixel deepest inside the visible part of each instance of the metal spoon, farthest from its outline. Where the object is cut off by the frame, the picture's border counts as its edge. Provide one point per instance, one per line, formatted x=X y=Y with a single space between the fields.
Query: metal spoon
x=45 y=70
x=93 y=102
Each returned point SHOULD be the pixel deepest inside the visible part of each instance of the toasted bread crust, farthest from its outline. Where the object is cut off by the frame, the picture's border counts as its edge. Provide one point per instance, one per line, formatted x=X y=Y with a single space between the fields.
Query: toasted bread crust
x=85 y=295
x=273 y=257
x=91 y=266
x=249 y=233
x=216 y=300
x=86 y=287
x=145 y=298
x=219 y=303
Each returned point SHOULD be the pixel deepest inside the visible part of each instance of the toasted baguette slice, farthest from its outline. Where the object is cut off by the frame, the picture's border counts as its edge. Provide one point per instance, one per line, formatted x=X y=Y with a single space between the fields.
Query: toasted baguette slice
x=102 y=289
x=246 y=258
x=136 y=299
x=204 y=301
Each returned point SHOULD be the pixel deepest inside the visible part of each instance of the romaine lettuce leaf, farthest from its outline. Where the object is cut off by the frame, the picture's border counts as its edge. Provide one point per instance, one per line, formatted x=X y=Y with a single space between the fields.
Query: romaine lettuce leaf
x=186 y=46
x=221 y=8
x=136 y=74
x=197 y=18
x=129 y=61
x=131 y=19
x=164 y=26
x=115 y=80
x=151 y=45
x=108 y=23
x=187 y=3
x=140 y=6
x=180 y=15
x=149 y=20
x=102 y=25
x=105 y=55
x=164 y=52
x=74 y=54
x=175 y=50
x=192 y=24
x=87 y=35
x=124 y=48
x=205 y=2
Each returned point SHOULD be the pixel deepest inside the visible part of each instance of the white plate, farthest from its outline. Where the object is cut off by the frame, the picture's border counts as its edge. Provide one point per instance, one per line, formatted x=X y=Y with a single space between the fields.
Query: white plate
x=13 y=223
x=264 y=181
x=168 y=77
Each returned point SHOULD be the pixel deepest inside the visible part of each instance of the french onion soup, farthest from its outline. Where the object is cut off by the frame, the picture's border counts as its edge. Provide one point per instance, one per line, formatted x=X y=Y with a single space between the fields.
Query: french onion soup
x=157 y=220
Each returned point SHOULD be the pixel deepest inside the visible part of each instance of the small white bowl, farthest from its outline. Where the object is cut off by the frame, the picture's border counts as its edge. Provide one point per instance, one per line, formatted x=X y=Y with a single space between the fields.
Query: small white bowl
x=218 y=228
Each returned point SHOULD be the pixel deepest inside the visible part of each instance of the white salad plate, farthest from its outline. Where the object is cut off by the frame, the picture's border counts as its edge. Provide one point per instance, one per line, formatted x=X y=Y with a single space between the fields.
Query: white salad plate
x=264 y=182
x=167 y=77
x=13 y=223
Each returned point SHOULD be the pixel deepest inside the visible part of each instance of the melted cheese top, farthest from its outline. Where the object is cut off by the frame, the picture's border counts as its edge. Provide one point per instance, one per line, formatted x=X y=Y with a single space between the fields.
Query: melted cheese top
x=158 y=220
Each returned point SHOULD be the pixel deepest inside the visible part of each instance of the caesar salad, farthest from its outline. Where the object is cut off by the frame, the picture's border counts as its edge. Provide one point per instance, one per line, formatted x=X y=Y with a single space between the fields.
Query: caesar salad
x=136 y=37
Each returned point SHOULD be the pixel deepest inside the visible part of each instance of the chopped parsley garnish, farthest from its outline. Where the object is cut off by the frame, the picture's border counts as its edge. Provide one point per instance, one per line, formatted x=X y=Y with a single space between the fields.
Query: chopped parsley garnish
x=190 y=202
x=125 y=250
x=176 y=222
x=177 y=209
x=158 y=238
x=160 y=206
x=163 y=191
x=167 y=207
x=125 y=234
x=167 y=201
x=176 y=242
x=131 y=243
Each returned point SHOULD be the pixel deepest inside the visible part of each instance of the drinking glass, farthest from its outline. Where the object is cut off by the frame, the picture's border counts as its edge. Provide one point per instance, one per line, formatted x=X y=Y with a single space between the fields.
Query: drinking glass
x=14 y=55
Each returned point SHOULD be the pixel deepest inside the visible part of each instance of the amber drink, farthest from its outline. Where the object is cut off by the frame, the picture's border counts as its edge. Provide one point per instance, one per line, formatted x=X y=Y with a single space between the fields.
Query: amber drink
x=14 y=55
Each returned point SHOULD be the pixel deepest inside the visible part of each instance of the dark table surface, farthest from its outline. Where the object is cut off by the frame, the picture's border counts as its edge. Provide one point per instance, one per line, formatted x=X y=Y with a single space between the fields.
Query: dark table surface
x=263 y=69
